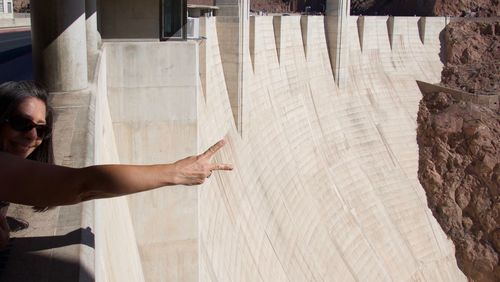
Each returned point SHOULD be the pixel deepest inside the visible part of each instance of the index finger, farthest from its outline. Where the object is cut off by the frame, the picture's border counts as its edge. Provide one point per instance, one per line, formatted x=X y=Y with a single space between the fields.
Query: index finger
x=221 y=167
x=212 y=150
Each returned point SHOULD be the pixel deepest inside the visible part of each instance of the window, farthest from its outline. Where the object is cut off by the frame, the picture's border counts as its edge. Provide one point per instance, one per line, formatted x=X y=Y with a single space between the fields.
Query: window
x=173 y=19
x=1 y=6
x=9 y=7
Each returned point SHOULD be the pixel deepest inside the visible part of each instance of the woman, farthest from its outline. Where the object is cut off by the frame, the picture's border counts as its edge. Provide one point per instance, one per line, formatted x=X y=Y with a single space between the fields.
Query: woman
x=25 y=133
x=14 y=98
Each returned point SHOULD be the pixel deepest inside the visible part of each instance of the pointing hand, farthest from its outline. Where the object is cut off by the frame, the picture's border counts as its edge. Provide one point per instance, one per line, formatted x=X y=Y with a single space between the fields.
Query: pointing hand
x=195 y=169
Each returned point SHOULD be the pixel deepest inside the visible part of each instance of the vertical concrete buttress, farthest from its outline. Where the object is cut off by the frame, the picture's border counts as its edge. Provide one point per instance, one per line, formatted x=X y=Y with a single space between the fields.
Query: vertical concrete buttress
x=59 y=44
x=336 y=27
x=233 y=32
x=92 y=34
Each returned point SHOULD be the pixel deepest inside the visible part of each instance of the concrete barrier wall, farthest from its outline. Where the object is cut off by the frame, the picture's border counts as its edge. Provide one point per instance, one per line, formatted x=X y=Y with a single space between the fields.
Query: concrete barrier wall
x=116 y=246
x=152 y=91
x=12 y=22
x=490 y=101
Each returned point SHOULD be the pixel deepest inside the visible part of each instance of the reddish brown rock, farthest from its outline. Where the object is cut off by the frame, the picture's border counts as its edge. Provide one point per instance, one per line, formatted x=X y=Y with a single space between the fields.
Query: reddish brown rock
x=472 y=56
x=470 y=8
x=459 y=8
x=21 y=6
x=459 y=148
x=459 y=167
x=270 y=6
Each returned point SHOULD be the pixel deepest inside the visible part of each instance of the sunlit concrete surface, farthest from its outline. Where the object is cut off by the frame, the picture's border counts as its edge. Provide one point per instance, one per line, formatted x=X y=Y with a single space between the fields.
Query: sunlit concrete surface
x=325 y=184
x=14 y=23
x=152 y=118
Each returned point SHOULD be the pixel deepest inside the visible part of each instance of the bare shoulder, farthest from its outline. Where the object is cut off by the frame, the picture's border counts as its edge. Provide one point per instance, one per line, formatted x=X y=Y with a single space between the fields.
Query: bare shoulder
x=34 y=183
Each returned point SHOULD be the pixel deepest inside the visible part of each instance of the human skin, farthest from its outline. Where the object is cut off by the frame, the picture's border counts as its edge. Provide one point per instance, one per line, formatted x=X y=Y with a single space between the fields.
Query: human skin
x=51 y=185
x=39 y=184
x=23 y=143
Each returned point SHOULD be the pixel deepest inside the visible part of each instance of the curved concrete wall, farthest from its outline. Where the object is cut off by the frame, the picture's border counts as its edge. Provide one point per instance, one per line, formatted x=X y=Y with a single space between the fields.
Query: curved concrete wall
x=325 y=185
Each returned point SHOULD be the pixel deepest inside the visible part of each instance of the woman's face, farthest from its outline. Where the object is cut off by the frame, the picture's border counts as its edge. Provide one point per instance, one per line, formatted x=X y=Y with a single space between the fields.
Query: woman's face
x=23 y=143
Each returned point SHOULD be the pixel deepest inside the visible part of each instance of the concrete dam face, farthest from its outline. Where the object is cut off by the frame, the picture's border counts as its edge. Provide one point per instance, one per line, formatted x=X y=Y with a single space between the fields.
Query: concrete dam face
x=322 y=134
x=325 y=183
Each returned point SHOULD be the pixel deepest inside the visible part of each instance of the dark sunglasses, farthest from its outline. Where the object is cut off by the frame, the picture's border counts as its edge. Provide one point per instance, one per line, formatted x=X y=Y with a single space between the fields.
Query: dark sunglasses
x=24 y=125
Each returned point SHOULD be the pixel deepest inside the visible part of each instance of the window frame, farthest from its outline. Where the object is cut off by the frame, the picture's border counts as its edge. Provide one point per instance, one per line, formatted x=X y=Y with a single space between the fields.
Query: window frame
x=184 y=22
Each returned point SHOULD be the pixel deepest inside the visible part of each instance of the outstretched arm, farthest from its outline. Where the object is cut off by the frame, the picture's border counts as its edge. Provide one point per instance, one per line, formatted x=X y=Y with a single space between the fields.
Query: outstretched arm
x=33 y=183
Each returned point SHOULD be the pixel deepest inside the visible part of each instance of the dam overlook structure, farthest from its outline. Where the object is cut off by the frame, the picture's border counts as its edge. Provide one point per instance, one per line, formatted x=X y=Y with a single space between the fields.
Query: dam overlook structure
x=319 y=114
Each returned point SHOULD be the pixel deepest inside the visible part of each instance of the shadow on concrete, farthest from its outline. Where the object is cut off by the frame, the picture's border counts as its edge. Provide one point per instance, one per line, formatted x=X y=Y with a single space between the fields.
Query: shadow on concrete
x=50 y=18
x=39 y=267
x=33 y=244
x=90 y=8
x=23 y=261
x=16 y=224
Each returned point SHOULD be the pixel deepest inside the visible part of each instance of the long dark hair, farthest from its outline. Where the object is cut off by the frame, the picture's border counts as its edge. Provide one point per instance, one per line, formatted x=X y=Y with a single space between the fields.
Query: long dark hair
x=12 y=93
